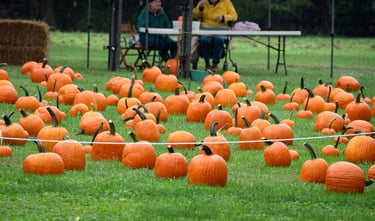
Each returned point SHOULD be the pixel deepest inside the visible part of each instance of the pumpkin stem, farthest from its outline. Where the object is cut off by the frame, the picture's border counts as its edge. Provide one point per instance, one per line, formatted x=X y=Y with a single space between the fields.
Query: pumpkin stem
x=96 y=90
x=267 y=141
x=183 y=86
x=263 y=88
x=23 y=112
x=275 y=118
x=285 y=86
x=362 y=89
x=311 y=150
x=337 y=142
x=100 y=128
x=358 y=99
x=201 y=99
x=235 y=118
x=246 y=121
x=133 y=136
x=158 y=117
x=262 y=114
x=25 y=90
x=39 y=93
x=143 y=107
x=337 y=107
x=112 y=129
x=55 y=122
x=45 y=61
x=302 y=82
x=369 y=182
x=177 y=91
x=291 y=114
x=141 y=115
x=220 y=107
x=329 y=93
x=39 y=146
x=307 y=103
x=212 y=128
x=248 y=103
x=330 y=122
x=130 y=92
x=291 y=97
x=153 y=98
x=170 y=149
x=63 y=69
x=7 y=120
x=207 y=150
x=320 y=81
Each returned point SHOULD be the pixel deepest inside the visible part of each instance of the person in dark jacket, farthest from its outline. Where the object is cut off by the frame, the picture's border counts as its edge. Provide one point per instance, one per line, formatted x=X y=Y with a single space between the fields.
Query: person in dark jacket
x=157 y=18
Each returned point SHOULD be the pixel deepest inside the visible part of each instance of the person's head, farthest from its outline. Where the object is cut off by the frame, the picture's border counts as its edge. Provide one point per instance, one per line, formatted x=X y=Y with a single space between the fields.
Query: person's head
x=155 y=5
x=213 y=1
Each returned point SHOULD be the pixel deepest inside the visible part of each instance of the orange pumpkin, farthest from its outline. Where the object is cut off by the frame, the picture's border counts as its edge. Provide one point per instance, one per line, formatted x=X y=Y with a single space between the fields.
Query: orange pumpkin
x=49 y=135
x=15 y=133
x=347 y=83
x=283 y=96
x=221 y=116
x=71 y=151
x=171 y=165
x=300 y=94
x=181 y=139
x=43 y=163
x=197 y=111
x=108 y=145
x=358 y=110
x=217 y=143
x=166 y=82
x=32 y=123
x=360 y=149
x=176 y=103
x=313 y=170
x=277 y=154
x=149 y=74
x=225 y=97
x=231 y=77
x=140 y=154
x=279 y=131
x=250 y=137
x=207 y=169
x=345 y=177
x=265 y=95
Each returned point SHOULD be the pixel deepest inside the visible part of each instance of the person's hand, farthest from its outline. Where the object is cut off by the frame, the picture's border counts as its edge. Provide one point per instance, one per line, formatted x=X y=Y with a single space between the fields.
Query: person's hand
x=203 y=3
x=219 y=18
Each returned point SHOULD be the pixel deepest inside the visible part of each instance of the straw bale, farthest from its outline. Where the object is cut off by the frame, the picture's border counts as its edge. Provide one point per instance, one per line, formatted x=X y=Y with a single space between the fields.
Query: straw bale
x=18 y=55
x=23 y=40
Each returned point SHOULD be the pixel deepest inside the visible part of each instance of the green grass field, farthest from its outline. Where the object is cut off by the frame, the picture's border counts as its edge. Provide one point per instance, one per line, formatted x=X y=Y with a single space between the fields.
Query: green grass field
x=254 y=191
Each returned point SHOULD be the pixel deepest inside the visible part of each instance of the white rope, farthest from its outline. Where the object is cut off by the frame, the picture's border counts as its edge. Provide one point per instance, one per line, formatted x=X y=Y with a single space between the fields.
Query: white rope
x=187 y=143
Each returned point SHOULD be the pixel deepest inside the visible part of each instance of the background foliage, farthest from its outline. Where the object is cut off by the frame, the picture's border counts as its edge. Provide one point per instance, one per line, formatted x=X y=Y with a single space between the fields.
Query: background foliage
x=353 y=18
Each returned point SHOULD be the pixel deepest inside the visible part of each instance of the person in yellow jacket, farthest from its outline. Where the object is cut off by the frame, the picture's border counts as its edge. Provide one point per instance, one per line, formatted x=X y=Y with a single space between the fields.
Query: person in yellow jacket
x=213 y=14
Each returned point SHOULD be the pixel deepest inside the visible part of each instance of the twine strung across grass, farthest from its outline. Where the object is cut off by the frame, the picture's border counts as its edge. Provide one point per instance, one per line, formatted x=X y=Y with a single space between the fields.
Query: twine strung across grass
x=197 y=142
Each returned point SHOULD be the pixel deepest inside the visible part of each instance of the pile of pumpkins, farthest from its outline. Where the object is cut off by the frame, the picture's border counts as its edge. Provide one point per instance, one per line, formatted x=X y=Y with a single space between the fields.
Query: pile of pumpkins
x=142 y=109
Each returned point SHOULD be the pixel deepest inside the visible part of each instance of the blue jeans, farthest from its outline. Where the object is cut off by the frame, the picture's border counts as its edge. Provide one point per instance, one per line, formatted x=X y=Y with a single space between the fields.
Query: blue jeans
x=166 y=46
x=211 y=47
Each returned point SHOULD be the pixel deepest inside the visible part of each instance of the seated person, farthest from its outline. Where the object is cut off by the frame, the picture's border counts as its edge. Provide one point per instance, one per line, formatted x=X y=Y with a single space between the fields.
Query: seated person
x=213 y=13
x=157 y=18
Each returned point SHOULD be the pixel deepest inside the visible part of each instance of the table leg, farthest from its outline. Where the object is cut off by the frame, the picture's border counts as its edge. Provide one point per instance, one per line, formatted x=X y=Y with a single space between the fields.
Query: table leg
x=281 y=49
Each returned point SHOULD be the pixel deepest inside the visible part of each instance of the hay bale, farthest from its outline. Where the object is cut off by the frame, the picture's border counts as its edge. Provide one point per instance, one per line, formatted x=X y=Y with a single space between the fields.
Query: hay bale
x=23 y=40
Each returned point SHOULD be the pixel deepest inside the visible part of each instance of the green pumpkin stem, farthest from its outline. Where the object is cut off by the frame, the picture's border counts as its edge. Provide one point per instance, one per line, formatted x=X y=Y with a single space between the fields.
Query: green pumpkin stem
x=201 y=99
x=98 y=130
x=7 y=120
x=112 y=129
x=25 y=90
x=133 y=136
x=275 y=118
x=235 y=117
x=39 y=146
x=39 y=94
x=170 y=149
x=130 y=92
x=141 y=115
x=362 y=89
x=302 y=83
x=311 y=150
x=23 y=112
x=212 y=129
x=358 y=98
x=158 y=117
x=247 y=123
x=55 y=122
x=207 y=150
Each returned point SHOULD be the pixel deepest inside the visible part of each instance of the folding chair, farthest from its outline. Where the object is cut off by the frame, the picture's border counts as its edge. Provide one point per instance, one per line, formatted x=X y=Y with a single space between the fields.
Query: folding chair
x=131 y=51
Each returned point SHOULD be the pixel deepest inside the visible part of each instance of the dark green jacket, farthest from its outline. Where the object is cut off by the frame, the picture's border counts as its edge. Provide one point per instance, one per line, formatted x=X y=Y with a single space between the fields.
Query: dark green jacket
x=155 y=20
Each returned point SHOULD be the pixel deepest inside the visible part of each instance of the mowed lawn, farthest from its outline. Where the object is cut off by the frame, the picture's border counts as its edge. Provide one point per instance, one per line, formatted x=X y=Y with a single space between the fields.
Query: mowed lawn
x=106 y=190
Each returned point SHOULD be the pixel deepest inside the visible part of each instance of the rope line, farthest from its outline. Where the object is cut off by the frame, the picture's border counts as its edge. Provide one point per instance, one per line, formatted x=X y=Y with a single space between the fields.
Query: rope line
x=187 y=143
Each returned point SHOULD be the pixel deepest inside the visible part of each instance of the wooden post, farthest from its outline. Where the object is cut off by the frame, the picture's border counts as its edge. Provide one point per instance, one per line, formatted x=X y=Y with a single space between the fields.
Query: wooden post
x=115 y=35
x=185 y=56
